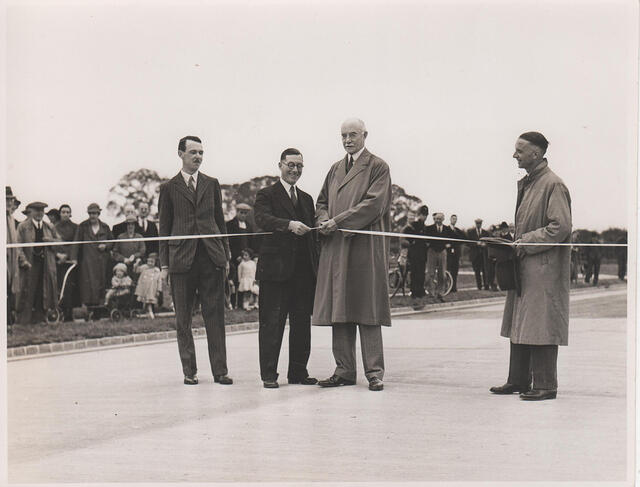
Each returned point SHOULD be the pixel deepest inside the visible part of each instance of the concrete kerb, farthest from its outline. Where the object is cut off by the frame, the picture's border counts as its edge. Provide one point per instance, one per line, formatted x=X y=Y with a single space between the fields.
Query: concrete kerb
x=91 y=344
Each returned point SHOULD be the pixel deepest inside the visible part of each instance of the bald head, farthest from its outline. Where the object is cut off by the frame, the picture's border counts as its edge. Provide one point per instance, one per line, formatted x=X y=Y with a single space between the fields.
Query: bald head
x=354 y=134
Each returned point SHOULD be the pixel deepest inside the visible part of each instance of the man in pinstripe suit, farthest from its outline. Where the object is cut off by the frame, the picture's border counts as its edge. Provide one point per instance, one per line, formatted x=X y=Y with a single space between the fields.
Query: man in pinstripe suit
x=191 y=204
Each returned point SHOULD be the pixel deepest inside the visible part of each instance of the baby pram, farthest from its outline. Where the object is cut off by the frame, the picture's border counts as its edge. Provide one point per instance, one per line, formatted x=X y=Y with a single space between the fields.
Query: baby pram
x=55 y=315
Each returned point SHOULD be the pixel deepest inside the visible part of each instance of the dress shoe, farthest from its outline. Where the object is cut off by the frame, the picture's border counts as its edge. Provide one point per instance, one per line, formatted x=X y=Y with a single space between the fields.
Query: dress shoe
x=335 y=381
x=191 y=380
x=270 y=384
x=538 y=395
x=508 y=389
x=375 y=384
x=307 y=381
x=222 y=379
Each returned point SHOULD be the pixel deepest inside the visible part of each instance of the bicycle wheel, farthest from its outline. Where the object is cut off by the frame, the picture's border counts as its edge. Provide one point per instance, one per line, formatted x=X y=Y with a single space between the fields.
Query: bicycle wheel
x=395 y=281
x=448 y=283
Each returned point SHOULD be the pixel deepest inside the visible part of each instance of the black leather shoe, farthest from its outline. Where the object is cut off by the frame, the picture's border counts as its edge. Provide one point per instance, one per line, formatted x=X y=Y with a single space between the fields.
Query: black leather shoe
x=270 y=384
x=191 y=380
x=307 y=381
x=508 y=389
x=538 y=395
x=375 y=384
x=222 y=379
x=335 y=381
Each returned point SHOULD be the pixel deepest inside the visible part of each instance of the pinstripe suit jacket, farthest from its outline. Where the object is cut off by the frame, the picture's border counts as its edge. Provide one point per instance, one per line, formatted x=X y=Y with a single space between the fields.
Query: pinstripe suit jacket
x=182 y=213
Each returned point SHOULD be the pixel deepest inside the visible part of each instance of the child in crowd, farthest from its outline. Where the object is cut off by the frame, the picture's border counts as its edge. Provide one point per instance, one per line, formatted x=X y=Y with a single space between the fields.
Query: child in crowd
x=247 y=280
x=120 y=283
x=149 y=283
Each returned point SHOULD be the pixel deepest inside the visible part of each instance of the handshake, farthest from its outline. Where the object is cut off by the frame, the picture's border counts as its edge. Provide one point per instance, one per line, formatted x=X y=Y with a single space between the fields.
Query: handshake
x=326 y=227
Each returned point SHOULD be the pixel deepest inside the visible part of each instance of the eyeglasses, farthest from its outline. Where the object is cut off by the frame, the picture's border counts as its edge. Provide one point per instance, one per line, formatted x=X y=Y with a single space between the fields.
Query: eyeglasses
x=293 y=165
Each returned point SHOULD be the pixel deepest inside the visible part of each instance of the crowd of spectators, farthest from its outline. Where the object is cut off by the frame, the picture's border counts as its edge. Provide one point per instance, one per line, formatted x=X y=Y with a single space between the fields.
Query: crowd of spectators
x=427 y=259
x=39 y=278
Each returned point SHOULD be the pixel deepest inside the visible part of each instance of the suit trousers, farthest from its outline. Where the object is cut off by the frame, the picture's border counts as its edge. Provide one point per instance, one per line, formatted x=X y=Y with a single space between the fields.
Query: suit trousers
x=478 y=269
x=416 y=268
x=208 y=280
x=537 y=363
x=453 y=265
x=277 y=300
x=344 y=350
x=436 y=265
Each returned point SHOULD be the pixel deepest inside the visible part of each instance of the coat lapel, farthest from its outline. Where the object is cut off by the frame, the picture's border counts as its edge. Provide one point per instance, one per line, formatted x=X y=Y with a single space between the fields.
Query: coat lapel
x=201 y=188
x=181 y=187
x=285 y=199
x=358 y=167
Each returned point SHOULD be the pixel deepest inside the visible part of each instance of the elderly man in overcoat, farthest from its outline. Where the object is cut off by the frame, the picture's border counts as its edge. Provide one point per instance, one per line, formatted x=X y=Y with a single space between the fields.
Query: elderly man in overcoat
x=537 y=320
x=38 y=276
x=352 y=289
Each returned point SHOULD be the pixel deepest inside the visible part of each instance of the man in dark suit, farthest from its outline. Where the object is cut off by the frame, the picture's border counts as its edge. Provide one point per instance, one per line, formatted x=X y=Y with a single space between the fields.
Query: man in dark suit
x=437 y=255
x=417 y=253
x=287 y=269
x=239 y=224
x=147 y=228
x=455 y=251
x=190 y=204
x=477 y=253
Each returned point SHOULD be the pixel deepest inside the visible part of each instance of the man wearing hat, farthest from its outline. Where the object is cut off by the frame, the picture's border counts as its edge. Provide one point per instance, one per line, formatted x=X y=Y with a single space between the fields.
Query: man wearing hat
x=536 y=320
x=417 y=252
x=147 y=228
x=240 y=224
x=455 y=251
x=38 y=276
x=437 y=255
x=477 y=253
x=14 y=257
x=93 y=259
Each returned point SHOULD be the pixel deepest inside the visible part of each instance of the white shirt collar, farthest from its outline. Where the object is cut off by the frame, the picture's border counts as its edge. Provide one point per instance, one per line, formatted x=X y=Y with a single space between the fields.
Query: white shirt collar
x=186 y=177
x=36 y=224
x=287 y=187
x=356 y=156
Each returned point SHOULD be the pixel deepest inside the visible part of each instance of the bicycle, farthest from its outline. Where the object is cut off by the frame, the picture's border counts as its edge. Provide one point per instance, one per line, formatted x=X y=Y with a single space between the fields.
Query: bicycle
x=400 y=280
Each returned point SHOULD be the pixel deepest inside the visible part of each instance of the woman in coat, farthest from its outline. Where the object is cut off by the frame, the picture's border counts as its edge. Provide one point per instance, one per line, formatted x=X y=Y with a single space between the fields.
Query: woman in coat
x=93 y=259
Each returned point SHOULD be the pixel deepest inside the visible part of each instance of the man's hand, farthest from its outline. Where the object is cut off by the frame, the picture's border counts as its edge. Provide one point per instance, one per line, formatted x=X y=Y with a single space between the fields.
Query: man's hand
x=328 y=227
x=298 y=228
x=25 y=264
x=102 y=247
x=61 y=257
x=164 y=273
x=520 y=252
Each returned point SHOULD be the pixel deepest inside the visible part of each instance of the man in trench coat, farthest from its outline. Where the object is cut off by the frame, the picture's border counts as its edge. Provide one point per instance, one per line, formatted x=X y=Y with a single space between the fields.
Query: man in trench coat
x=38 y=278
x=537 y=320
x=352 y=288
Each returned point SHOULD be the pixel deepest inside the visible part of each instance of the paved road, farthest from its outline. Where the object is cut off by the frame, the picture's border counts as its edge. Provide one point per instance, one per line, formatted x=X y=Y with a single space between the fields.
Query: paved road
x=124 y=415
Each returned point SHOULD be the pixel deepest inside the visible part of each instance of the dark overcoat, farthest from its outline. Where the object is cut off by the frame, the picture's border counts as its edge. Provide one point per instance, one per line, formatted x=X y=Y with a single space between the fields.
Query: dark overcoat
x=353 y=271
x=93 y=263
x=540 y=315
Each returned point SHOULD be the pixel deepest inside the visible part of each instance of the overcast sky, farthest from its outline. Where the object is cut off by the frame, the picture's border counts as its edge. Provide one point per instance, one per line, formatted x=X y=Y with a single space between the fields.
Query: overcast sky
x=96 y=90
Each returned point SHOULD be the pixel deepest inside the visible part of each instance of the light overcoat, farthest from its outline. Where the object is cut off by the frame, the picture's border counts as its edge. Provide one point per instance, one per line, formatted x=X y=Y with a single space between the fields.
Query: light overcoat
x=28 y=279
x=540 y=315
x=352 y=284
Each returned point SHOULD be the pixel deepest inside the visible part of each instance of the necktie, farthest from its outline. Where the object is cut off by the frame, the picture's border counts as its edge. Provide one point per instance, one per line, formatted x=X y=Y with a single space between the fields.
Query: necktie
x=294 y=198
x=349 y=163
x=192 y=185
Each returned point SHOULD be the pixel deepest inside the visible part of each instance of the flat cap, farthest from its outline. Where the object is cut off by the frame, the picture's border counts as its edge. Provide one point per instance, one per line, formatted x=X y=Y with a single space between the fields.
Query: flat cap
x=243 y=206
x=37 y=205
